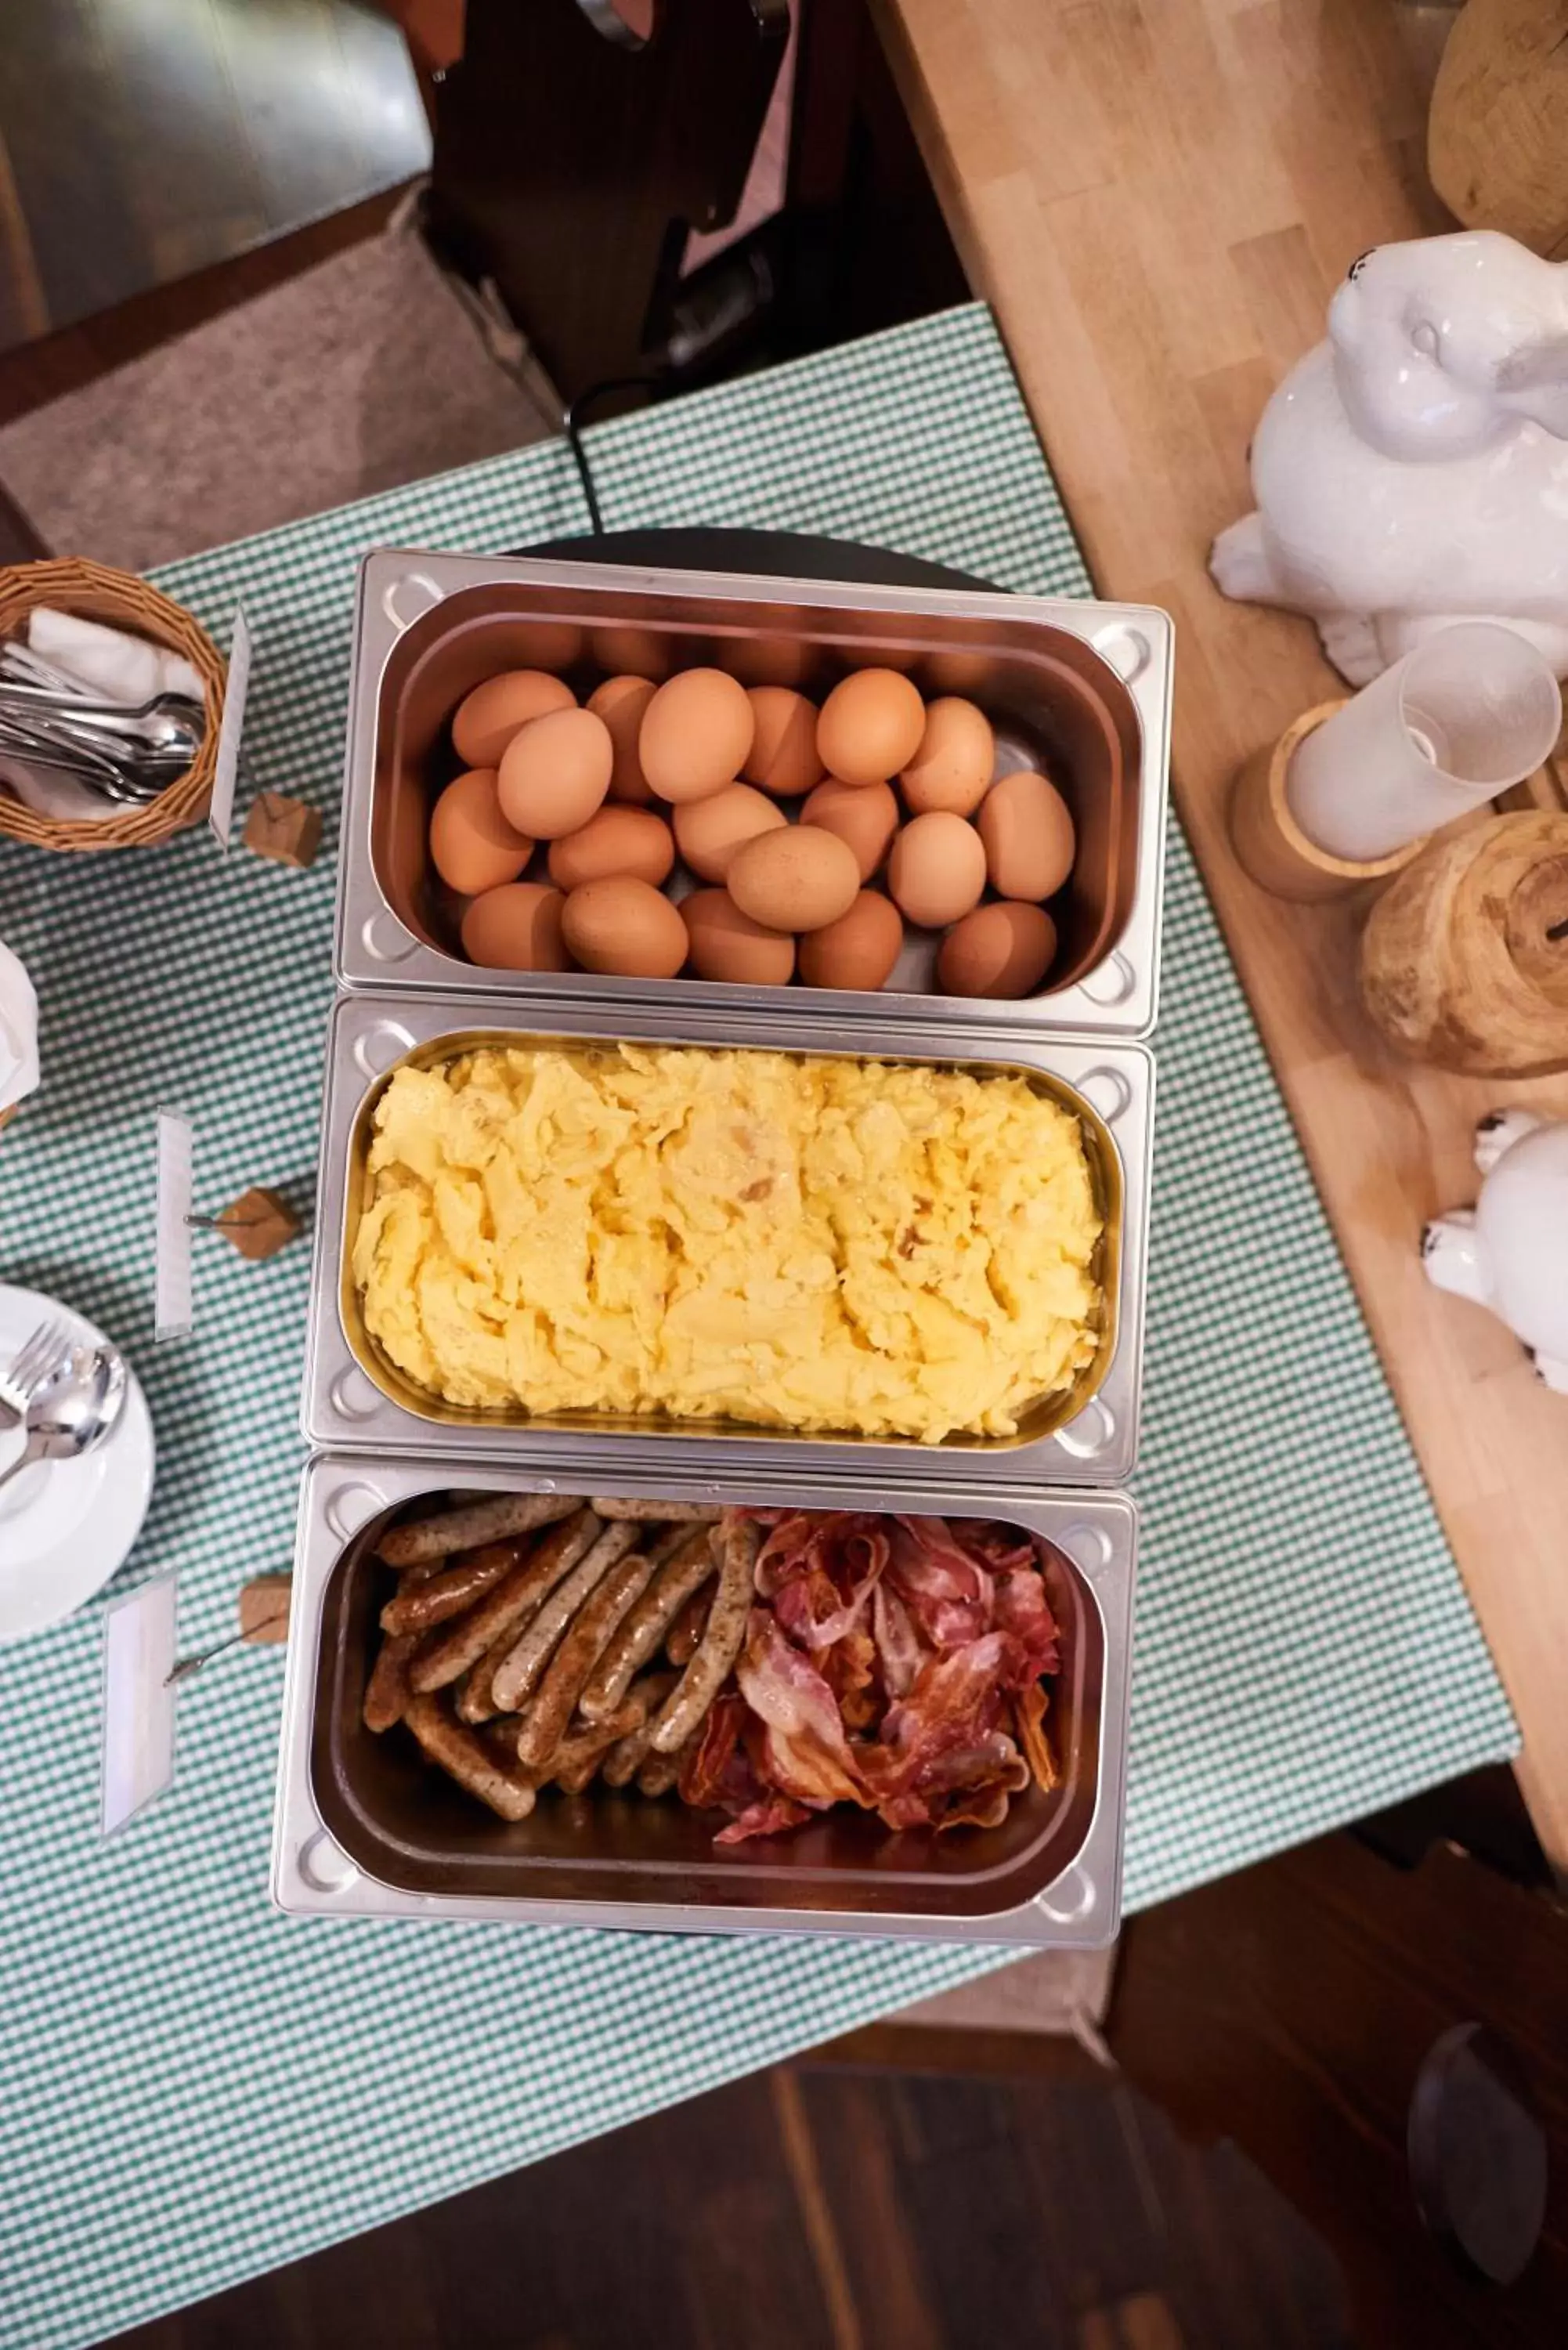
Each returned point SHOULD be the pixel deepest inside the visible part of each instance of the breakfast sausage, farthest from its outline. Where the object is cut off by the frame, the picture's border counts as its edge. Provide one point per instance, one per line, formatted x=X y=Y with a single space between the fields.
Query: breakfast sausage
x=658 y=1774
x=434 y=1599
x=630 y=1751
x=699 y=1684
x=686 y=1632
x=577 y=1656
x=640 y=1632
x=691 y=1513
x=475 y=1695
x=665 y=1541
x=473 y=1523
x=387 y=1691
x=474 y=1702
x=466 y=1759
x=410 y=1577
x=576 y=1760
x=520 y=1668
x=511 y=1602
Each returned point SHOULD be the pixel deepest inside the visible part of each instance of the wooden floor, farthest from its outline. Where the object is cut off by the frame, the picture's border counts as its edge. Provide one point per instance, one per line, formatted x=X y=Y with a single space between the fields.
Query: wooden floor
x=923 y=2187
x=141 y=142
x=806 y=2208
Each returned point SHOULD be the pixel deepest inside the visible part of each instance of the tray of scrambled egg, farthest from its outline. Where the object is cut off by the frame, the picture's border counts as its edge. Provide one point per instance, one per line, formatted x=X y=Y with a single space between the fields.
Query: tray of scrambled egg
x=641 y=1238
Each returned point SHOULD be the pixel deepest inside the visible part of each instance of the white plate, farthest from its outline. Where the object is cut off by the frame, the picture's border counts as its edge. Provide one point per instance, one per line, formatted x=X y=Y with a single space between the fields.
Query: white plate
x=67 y=1525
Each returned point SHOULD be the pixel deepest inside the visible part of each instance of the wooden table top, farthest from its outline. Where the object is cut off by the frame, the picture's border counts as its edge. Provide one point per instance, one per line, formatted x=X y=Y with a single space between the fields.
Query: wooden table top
x=1157 y=197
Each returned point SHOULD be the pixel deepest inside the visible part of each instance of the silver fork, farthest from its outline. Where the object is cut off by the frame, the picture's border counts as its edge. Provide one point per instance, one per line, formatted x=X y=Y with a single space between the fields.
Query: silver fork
x=32 y=1362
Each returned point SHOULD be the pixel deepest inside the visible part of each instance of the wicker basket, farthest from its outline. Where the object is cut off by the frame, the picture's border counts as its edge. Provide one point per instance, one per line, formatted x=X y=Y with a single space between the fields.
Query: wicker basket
x=121 y=599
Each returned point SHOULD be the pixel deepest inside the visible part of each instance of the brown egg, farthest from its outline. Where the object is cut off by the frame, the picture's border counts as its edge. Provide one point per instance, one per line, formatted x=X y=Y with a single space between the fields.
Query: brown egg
x=952 y=769
x=546 y=644
x=864 y=815
x=516 y=928
x=783 y=757
x=1027 y=828
x=618 y=840
x=709 y=831
x=858 y=950
x=620 y=701
x=642 y=651
x=695 y=734
x=937 y=870
x=768 y=661
x=959 y=672
x=870 y=726
x=472 y=847
x=554 y=773
x=795 y=880
x=626 y=926
x=488 y=718
x=1002 y=950
x=727 y=944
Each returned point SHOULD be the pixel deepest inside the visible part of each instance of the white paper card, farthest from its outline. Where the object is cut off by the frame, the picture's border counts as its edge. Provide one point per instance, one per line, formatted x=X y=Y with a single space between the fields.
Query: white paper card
x=172 y=1304
x=139 y=1636
x=221 y=812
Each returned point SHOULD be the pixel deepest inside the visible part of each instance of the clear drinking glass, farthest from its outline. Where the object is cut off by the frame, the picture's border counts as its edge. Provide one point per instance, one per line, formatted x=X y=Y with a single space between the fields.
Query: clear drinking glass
x=1473 y=710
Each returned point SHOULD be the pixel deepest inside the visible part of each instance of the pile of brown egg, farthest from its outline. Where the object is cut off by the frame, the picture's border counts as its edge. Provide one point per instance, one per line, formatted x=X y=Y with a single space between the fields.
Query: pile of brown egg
x=698 y=768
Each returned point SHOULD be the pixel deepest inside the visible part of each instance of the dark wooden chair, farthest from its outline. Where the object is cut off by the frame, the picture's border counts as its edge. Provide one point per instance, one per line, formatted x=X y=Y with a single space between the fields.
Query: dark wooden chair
x=572 y=158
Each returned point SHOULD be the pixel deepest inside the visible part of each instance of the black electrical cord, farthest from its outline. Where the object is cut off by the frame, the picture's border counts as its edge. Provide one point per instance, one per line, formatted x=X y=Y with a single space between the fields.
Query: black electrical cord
x=574 y=421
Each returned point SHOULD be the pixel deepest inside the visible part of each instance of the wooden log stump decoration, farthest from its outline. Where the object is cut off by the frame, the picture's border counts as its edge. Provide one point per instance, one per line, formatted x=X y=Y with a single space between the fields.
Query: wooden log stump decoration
x=1497 y=139
x=1464 y=960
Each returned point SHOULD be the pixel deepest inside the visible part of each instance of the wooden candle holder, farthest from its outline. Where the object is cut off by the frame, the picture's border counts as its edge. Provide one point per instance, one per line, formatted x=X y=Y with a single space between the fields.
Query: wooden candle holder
x=1272 y=845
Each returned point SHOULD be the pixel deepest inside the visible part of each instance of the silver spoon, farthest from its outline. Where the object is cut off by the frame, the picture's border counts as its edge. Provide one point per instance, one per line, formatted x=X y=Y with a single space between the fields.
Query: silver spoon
x=166 y=721
x=163 y=726
x=124 y=771
x=74 y=1408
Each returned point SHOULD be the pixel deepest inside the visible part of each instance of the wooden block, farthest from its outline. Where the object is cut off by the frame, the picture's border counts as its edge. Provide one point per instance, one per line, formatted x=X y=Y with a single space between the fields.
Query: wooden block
x=264 y=1609
x=284 y=830
x=258 y=1224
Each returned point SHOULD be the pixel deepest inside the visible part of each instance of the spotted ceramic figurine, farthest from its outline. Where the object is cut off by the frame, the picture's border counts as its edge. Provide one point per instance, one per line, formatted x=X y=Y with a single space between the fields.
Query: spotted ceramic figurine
x=1509 y=1252
x=1412 y=470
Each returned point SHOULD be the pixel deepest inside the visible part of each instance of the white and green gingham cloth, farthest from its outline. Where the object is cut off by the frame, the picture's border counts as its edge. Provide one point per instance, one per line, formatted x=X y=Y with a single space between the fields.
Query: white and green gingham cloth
x=193 y=2088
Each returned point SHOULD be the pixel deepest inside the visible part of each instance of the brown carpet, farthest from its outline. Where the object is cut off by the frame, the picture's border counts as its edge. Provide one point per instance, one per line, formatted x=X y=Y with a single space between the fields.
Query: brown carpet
x=364 y=373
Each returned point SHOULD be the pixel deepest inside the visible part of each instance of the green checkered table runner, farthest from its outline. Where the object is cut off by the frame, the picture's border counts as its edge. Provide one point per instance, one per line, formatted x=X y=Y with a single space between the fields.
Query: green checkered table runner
x=194 y=2088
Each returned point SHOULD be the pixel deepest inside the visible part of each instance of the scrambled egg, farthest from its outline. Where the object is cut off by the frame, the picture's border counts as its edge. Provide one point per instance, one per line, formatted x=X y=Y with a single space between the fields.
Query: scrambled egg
x=890 y=1250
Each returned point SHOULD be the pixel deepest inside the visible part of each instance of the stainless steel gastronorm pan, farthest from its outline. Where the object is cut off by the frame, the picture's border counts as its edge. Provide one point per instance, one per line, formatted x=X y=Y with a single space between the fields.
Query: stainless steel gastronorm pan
x=355 y=1400
x=364 y=1827
x=1082 y=688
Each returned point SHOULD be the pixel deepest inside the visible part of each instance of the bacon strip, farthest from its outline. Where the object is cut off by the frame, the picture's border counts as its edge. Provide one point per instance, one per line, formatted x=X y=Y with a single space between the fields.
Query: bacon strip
x=820 y=1570
x=1029 y=1716
x=805 y=1754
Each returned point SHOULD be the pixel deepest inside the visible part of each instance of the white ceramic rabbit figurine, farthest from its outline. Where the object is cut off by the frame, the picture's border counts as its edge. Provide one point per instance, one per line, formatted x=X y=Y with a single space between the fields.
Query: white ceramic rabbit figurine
x=1509 y=1252
x=1412 y=470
